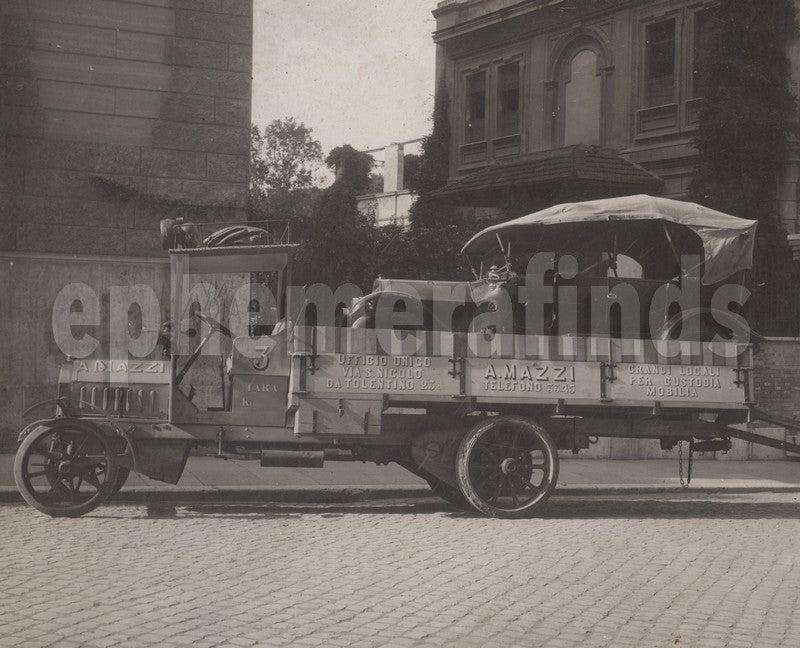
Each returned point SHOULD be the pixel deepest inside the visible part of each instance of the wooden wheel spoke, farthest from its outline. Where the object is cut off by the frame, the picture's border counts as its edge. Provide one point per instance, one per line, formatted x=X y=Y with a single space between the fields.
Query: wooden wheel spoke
x=515 y=442
x=85 y=463
x=524 y=486
x=42 y=473
x=485 y=468
x=482 y=479
x=91 y=478
x=73 y=493
x=485 y=449
x=47 y=453
x=58 y=483
x=496 y=492
x=513 y=492
x=77 y=452
x=61 y=444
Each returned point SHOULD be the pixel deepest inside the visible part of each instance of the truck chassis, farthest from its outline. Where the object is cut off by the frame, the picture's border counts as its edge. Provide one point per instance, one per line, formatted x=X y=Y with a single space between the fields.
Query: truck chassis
x=480 y=415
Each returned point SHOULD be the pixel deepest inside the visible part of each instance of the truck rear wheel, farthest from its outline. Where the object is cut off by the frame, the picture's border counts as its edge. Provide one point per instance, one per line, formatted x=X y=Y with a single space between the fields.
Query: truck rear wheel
x=507 y=466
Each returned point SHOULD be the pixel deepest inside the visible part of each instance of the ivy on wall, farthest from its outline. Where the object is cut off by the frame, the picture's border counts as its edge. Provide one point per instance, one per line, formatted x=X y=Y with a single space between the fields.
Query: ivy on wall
x=743 y=142
x=437 y=229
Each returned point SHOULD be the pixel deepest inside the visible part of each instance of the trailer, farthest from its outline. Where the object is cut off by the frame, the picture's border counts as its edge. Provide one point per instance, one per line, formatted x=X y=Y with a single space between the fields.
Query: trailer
x=476 y=393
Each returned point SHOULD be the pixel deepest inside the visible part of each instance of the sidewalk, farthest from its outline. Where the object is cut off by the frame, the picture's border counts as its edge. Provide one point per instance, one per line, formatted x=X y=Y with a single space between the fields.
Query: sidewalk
x=210 y=478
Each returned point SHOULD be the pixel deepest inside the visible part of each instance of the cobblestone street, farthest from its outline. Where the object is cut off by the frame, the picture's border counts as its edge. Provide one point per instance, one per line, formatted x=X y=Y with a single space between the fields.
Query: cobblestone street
x=695 y=570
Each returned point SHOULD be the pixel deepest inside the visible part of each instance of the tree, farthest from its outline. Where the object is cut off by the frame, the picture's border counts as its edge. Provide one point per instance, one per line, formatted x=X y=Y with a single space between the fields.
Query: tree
x=411 y=170
x=742 y=140
x=283 y=157
x=352 y=168
x=338 y=242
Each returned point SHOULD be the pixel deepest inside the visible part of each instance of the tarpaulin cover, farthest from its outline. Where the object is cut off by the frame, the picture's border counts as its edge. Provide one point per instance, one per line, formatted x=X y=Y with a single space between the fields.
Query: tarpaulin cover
x=727 y=241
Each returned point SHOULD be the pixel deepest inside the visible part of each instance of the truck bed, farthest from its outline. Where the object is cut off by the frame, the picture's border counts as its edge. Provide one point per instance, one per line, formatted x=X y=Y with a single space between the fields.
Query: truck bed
x=421 y=366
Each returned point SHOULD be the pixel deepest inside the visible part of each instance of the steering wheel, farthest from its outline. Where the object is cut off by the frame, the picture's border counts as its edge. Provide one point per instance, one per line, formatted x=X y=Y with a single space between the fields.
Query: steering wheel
x=501 y=274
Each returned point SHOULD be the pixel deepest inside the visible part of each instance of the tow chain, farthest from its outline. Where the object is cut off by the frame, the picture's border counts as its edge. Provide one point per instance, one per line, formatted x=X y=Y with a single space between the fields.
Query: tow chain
x=684 y=483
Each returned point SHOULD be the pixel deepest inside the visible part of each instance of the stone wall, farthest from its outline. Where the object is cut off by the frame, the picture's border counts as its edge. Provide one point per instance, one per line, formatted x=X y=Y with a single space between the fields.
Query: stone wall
x=777 y=377
x=29 y=356
x=388 y=208
x=114 y=114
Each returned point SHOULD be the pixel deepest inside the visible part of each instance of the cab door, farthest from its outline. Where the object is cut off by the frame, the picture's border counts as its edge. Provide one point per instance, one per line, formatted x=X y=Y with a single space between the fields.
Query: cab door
x=260 y=380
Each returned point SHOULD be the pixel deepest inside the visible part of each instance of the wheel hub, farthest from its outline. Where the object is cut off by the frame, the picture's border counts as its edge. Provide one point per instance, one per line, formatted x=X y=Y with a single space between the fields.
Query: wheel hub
x=65 y=467
x=509 y=466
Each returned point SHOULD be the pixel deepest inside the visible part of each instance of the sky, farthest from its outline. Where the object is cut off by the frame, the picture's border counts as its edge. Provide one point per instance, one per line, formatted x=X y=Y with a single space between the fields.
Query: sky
x=358 y=72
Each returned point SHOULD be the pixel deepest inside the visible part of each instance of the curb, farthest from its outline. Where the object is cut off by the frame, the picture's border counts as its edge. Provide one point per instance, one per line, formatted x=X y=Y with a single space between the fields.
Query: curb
x=295 y=494
x=633 y=489
x=356 y=494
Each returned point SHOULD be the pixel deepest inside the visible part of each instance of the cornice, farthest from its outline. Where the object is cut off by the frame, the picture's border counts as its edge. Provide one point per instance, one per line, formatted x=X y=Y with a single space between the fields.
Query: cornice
x=526 y=7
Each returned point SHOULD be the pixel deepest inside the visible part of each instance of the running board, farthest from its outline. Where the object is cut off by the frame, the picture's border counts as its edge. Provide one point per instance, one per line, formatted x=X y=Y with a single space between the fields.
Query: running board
x=762 y=440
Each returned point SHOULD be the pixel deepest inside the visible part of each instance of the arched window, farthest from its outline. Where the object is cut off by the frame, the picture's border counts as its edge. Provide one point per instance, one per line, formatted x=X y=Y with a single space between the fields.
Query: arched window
x=579 y=92
x=583 y=100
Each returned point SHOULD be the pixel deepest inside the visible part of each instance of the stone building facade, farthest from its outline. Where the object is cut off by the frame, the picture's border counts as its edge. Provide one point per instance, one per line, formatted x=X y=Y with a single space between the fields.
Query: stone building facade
x=565 y=99
x=533 y=80
x=113 y=115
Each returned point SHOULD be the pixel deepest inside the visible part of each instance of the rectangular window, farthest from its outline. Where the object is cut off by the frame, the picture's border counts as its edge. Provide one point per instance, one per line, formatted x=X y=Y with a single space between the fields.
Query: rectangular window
x=703 y=27
x=475 y=118
x=508 y=99
x=659 y=79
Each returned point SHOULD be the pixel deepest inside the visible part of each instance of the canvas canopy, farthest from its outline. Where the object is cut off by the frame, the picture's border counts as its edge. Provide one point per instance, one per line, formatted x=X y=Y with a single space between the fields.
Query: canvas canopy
x=634 y=222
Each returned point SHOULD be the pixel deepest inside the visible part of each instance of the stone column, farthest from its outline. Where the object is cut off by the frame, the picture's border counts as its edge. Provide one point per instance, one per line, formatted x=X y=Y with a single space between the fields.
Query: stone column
x=393 y=168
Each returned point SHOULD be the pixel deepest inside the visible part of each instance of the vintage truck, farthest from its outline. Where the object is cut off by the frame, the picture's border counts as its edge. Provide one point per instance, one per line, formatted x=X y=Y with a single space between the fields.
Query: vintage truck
x=476 y=393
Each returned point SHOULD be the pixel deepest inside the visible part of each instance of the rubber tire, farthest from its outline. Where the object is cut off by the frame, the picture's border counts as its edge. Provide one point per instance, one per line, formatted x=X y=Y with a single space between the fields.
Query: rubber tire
x=81 y=509
x=462 y=468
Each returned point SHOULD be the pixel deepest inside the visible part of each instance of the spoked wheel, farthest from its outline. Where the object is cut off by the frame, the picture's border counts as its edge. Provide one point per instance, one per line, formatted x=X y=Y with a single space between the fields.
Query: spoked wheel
x=65 y=469
x=507 y=466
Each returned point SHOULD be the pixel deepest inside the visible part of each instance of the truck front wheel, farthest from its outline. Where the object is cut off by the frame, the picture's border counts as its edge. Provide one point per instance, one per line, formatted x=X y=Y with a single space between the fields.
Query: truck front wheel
x=65 y=468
